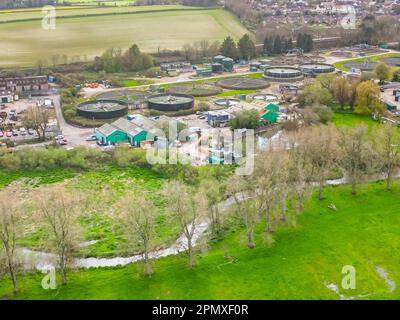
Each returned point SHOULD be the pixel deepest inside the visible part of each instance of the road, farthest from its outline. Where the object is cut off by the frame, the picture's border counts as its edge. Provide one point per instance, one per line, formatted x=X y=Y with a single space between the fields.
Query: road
x=75 y=136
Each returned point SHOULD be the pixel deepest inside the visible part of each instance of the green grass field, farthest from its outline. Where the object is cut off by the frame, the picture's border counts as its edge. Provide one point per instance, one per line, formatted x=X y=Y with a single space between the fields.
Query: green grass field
x=364 y=232
x=84 y=37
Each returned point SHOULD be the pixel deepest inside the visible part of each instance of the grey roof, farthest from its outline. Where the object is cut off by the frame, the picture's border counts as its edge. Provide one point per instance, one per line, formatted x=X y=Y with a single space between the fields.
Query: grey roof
x=107 y=129
x=127 y=126
x=144 y=122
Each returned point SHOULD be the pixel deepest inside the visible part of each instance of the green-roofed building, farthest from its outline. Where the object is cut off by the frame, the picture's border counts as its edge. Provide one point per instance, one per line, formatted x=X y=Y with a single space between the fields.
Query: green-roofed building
x=270 y=117
x=272 y=107
x=215 y=160
x=122 y=130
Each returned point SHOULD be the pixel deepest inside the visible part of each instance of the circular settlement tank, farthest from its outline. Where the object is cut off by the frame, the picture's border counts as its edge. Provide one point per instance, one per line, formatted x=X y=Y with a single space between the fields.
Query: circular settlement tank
x=102 y=109
x=229 y=102
x=265 y=97
x=243 y=83
x=317 y=68
x=283 y=74
x=171 y=102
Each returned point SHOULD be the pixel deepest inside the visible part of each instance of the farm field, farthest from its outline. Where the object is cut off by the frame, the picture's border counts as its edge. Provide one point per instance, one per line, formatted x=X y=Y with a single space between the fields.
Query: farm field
x=86 y=37
x=87 y=10
x=301 y=262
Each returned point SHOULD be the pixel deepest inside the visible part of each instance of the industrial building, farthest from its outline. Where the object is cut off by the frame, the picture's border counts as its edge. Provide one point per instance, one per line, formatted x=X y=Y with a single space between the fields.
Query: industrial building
x=24 y=84
x=122 y=130
x=217 y=118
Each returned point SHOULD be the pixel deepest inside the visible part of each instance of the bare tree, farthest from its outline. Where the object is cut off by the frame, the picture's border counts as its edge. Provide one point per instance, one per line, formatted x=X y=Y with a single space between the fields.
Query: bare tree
x=319 y=146
x=138 y=216
x=357 y=154
x=213 y=191
x=188 y=209
x=37 y=118
x=387 y=145
x=266 y=180
x=244 y=193
x=59 y=209
x=10 y=229
x=299 y=171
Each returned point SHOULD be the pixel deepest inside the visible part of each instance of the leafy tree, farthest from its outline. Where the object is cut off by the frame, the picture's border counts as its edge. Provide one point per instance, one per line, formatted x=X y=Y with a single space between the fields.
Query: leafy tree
x=341 y=91
x=229 y=48
x=37 y=118
x=277 y=45
x=247 y=47
x=368 y=99
x=382 y=71
x=248 y=119
x=317 y=113
x=269 y=45
x=315 y=94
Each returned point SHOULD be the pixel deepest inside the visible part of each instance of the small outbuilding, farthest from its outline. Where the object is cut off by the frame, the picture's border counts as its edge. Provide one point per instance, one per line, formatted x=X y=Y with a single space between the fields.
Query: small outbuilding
x=269 y=117
x=272 y=107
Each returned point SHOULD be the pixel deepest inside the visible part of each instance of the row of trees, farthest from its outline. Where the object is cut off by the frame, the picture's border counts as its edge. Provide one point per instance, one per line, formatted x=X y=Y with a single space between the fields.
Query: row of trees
x=361 y=96
x=315 y=154
x=116 y=60
x=244 y=49
x=277 y=44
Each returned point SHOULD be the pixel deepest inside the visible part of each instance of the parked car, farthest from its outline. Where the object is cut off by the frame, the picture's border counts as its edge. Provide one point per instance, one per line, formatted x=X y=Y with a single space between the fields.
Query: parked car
x=91 y=138
x=99 y=143
x=22 y=131
x=1 y=134
x=60 y=137
x=31 y=131
x=14 y=132
x=9 y=134
x=62 y=142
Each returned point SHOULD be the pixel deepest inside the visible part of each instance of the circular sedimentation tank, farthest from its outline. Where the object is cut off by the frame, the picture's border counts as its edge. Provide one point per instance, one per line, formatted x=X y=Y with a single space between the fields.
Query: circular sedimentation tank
x=283 y=74
x=128 y=95
x=195 y=90
x=265 y=97
x=391 y=61
x=102 y=109
x=317 y=68
x=171 y=102
x=243 y=84
x=228 y=102
x=362 y=65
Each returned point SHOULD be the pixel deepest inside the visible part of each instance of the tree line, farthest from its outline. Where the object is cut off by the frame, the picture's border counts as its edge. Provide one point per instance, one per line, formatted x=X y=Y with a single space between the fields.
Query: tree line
x=278 y=44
